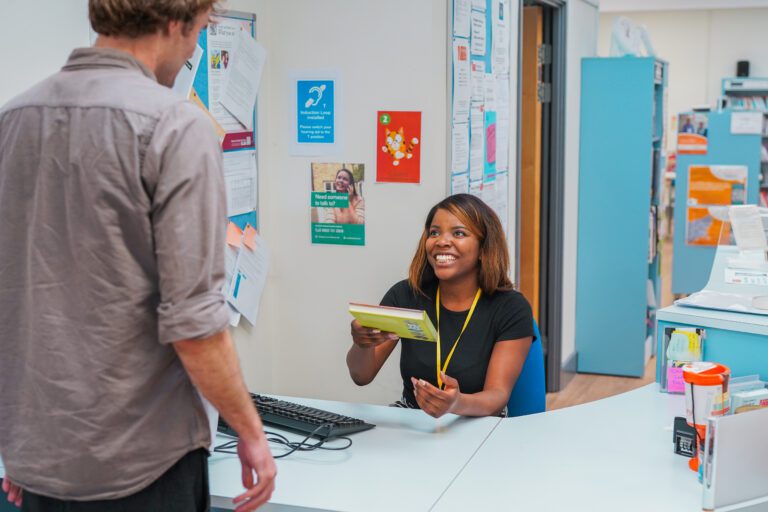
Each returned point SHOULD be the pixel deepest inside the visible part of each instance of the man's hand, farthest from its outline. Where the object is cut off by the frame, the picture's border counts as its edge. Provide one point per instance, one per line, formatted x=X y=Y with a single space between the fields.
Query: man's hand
x=255 y=456
x=212 y=365
x=435 y=401
x=14 y=492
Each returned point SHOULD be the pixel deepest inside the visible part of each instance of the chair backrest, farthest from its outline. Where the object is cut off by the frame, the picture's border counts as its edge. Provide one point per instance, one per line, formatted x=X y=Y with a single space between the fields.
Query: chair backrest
x=529 y=395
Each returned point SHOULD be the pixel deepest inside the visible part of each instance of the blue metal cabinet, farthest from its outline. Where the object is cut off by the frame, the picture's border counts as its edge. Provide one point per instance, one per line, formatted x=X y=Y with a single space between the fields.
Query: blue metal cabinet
x=620 y=167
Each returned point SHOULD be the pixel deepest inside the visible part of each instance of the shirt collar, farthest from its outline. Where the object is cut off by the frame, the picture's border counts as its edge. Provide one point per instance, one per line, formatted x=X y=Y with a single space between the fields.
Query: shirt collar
x=84 y=58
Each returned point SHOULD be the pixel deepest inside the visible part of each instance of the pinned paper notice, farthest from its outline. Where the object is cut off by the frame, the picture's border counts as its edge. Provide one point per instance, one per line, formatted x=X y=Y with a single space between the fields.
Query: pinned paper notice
x=478 y=40
x=460 y=147
x=249 y=278
x=748 y=227
x=230 y=260
x=186 y=76
x=243 y=78
x=747 y=123
x=241 y=180
x=461 y=9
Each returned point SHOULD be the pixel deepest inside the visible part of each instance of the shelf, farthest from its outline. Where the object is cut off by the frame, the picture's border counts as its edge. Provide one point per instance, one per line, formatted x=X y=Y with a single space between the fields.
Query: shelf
x=745 y=85
x=601 y=284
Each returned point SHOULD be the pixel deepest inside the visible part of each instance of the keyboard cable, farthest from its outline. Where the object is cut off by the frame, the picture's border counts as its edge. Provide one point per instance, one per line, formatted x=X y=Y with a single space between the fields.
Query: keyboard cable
x=230 y=447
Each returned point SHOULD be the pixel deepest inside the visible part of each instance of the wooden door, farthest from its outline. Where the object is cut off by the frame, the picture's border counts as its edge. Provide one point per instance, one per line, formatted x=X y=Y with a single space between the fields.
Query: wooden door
x=530 y=160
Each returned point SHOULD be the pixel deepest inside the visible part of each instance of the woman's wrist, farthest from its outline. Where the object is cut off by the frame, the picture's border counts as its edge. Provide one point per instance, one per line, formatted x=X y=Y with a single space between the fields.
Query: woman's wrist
x=455 y=407
x=362 y=347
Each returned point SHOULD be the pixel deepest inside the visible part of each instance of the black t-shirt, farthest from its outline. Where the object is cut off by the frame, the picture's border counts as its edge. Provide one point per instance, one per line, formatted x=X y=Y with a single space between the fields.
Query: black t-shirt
x=505 y=315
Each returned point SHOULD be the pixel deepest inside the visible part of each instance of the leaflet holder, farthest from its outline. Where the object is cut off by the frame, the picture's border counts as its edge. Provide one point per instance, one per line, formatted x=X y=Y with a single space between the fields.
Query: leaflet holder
x=735 y=472
x=738 y=280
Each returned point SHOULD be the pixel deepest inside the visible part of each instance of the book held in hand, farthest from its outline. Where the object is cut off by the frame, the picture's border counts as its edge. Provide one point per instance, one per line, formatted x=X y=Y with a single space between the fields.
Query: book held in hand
x=406 y=323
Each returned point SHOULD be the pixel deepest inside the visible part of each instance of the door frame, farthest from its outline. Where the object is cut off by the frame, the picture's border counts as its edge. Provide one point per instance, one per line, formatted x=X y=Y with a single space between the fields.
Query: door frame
x=552 y=189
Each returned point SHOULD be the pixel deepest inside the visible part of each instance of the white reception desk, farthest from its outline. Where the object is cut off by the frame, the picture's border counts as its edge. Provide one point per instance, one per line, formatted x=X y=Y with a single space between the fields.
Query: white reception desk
x=404 y=463
x=613 y=454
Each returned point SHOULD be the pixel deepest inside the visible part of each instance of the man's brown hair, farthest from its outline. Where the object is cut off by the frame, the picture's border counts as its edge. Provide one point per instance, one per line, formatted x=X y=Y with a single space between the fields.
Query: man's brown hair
x=134 y=18
x=482 y=221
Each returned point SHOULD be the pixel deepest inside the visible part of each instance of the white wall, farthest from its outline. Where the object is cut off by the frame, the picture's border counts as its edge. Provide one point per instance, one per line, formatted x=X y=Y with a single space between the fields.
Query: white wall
x=701 y=46
x=386 y=60
x=582 y=42
x=389 y=55
x=36 y=39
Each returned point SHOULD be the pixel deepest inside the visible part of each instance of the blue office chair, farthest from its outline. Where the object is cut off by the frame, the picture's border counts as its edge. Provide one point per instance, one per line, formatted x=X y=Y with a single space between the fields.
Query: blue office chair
x=529 y=395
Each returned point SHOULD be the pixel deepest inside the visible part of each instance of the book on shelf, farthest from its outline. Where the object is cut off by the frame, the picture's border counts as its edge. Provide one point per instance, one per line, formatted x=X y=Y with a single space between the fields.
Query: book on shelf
x=406 y=323
x=746 y=103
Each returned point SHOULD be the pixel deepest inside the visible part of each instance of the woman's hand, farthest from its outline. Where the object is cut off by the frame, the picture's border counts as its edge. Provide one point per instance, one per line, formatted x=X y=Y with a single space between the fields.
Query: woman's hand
x=364 y=337
x=370 y=348
x=435 y=401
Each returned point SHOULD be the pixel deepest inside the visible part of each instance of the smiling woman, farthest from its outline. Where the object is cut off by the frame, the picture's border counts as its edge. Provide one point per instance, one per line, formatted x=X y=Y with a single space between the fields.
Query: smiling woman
x=460 y=277
x=355 y=212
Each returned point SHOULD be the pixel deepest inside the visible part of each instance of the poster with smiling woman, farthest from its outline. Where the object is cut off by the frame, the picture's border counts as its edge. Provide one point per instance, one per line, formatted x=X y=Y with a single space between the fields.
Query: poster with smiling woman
x=337 y=206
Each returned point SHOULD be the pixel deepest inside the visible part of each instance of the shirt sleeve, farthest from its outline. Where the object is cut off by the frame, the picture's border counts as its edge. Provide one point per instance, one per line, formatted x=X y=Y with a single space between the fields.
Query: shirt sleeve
x=188 y=214
x=396 y=296
x=515 y=318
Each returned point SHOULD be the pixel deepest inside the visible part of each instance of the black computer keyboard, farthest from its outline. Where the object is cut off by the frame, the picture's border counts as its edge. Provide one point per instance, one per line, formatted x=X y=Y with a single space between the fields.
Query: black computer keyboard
x=302 y=419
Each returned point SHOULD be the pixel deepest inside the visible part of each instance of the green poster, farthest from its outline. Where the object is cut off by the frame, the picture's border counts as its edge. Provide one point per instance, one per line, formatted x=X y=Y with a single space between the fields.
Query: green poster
x=337 y=204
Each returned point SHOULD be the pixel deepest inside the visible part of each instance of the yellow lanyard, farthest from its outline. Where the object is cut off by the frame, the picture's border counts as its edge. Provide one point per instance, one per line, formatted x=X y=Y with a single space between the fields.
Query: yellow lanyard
x=455 y=343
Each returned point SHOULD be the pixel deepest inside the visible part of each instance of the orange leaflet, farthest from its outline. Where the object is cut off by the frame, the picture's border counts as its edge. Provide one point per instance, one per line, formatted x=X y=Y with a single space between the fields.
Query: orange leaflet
x=250 y=237
x=234 y=235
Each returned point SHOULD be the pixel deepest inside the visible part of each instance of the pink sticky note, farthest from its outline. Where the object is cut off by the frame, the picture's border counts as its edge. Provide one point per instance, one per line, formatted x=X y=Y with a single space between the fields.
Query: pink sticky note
x=250 y=237
x=490 y=143
x=234 y=235
x=675 y=382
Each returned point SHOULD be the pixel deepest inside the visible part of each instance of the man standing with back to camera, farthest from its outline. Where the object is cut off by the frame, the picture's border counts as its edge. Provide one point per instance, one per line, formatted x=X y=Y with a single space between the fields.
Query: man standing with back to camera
x=111 y=269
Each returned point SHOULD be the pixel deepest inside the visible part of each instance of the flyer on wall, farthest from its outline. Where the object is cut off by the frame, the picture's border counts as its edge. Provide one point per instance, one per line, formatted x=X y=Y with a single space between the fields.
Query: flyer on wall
x=220 y=40
x=692 y=133
x=711 y=190
x=337 y=211
x=399 y=147
x=489 y=165
x=315 y=109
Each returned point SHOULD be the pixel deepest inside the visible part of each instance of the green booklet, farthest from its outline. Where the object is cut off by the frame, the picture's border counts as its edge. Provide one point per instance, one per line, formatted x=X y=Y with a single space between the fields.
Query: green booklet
x=406 y=323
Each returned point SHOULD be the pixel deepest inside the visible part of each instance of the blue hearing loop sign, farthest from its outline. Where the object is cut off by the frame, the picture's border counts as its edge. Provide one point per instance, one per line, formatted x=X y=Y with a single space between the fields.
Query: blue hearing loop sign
x=315 y=111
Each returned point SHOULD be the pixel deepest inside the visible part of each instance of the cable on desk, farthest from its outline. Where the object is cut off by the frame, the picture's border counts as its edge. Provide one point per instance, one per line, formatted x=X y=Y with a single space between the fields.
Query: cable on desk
x=230 y=447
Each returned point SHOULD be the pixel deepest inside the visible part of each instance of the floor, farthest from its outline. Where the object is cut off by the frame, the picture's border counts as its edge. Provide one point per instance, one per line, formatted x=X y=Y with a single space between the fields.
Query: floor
x=589 y=387
x=586 y=387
